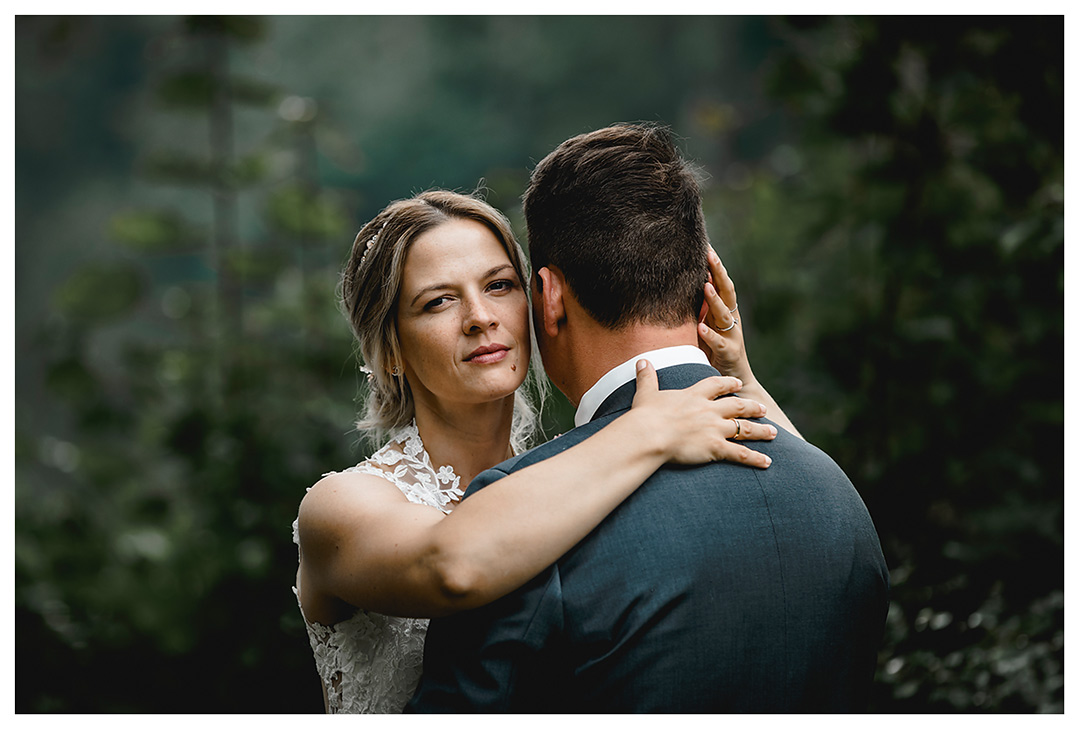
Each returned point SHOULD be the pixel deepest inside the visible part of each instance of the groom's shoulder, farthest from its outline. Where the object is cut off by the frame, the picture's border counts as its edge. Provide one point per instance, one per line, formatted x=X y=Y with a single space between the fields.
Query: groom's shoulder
x=559 y=443
x=800 y=451
x=536 y=454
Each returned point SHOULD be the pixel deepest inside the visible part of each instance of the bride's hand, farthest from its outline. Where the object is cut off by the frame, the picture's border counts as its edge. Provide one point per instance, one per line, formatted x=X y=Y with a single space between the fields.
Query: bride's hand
x=721 y=334
x=696 y=424
x=721 y=337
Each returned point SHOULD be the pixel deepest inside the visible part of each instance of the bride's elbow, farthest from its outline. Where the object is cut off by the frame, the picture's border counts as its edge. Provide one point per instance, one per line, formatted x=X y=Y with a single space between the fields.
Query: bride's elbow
x=460 y=583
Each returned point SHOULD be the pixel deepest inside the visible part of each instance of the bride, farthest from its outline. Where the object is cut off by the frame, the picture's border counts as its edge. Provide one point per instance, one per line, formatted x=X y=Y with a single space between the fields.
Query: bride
x=435 y=292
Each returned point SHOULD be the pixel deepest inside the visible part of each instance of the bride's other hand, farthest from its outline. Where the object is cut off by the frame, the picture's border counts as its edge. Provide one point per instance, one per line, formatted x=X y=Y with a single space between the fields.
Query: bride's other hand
x=720 y=335
x=696 y=424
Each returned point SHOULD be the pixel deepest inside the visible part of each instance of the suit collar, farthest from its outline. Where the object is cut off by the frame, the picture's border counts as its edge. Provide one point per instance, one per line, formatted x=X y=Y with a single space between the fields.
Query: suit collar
x=664 y=357
x=676 y=377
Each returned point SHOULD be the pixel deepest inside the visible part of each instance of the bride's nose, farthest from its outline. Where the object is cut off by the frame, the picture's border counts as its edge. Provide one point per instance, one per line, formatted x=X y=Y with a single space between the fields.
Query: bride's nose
x=479 y=316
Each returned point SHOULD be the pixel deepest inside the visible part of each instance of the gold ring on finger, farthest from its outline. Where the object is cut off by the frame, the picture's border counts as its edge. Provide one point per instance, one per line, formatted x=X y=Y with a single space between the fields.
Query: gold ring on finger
x=737 y=429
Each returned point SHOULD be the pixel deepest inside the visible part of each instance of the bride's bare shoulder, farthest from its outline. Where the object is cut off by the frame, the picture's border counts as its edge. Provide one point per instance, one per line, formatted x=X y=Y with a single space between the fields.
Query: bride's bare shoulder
x=340 y=499
x=366 y=474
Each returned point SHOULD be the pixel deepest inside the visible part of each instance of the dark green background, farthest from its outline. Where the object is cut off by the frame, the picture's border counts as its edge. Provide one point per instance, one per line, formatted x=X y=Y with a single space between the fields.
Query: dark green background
x=887 y=194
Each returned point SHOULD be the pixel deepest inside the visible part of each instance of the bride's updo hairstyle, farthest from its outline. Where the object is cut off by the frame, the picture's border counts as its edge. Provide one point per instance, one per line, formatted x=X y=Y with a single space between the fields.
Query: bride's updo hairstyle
x=371 y=284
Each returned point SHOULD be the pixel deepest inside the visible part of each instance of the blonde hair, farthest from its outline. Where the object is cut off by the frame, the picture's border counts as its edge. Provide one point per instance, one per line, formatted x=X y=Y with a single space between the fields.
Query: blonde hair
x=371 y=284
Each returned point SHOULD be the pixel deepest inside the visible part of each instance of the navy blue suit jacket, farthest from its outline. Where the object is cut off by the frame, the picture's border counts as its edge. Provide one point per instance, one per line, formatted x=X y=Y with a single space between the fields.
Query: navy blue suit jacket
x=714 y=588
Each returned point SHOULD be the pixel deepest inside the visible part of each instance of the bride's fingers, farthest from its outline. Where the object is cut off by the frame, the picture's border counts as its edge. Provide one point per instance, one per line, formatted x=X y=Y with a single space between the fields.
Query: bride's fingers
x=743 y=455
x=739 y=408
x=714 y=339
x=723 y=283
x=647 y=382
x=743 y=430
x=716 y=386
x=721 y=313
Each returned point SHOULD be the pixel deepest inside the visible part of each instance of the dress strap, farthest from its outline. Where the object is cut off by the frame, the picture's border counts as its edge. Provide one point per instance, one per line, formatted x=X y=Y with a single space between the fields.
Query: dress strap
x=405 y=462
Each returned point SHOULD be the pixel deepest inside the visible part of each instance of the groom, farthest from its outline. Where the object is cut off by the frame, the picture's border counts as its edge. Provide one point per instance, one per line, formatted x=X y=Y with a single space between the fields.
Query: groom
x=716 y=588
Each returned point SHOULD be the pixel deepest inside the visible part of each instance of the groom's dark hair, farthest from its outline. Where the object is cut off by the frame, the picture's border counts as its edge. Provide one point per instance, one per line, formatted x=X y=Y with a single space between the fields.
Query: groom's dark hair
x=618 y=211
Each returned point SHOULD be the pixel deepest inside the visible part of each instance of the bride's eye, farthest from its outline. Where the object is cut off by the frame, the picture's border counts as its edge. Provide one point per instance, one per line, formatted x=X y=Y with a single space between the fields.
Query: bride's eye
x=435 y=303
x=501 y=285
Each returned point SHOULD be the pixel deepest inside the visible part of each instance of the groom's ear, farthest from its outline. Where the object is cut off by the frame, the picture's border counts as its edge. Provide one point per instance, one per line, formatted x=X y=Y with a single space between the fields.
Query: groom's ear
x=550 y=286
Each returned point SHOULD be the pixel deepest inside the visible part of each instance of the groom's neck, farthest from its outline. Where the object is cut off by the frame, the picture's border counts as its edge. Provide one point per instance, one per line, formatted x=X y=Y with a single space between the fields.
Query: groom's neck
x=594 y=350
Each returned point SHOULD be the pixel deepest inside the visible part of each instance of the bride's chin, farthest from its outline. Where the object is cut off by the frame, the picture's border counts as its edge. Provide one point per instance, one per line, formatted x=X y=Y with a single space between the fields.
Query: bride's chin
x=507 y=381
x=495 y=386
x=504 y=392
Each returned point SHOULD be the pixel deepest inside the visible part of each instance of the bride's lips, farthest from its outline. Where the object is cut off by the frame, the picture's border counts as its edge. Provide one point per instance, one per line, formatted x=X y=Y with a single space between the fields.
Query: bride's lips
x=488 y=354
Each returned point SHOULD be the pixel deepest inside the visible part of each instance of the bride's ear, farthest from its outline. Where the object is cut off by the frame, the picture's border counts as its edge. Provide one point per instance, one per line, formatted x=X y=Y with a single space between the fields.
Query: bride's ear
x=550 y=286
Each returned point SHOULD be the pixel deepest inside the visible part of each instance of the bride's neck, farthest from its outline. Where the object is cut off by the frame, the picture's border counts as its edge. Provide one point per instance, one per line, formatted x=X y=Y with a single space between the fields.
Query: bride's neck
x=468 y=438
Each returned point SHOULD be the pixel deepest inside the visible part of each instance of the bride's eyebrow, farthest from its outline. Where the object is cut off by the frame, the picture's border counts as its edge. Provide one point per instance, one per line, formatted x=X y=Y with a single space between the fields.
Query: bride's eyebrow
x=435 y=287
x=496 y=270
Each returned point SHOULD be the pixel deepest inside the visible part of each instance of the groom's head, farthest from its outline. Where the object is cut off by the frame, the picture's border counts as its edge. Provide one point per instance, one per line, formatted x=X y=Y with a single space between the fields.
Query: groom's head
x=618 y=212
x=614 y=218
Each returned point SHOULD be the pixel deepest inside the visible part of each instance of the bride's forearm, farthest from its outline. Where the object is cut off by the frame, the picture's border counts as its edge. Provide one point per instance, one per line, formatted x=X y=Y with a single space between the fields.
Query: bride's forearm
x=754 y=390
x=506 y=533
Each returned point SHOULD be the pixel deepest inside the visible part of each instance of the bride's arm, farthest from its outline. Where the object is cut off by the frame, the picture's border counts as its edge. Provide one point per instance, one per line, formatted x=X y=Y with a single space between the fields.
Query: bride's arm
x=722 y=336
x=372 y=549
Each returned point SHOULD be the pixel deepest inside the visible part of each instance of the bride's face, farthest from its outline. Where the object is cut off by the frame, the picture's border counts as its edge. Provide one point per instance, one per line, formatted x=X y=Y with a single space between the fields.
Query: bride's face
x=463 y=317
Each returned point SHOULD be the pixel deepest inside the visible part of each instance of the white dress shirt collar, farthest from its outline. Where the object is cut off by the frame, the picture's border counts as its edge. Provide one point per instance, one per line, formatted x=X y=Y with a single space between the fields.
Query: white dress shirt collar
x=627 y=371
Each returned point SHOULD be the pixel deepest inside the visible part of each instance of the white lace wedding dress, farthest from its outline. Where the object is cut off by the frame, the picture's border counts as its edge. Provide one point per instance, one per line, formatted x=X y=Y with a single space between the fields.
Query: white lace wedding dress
x=370 y=662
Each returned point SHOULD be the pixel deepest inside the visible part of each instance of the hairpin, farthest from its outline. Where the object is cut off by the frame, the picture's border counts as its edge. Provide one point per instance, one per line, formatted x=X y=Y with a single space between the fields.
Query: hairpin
x=371 y=242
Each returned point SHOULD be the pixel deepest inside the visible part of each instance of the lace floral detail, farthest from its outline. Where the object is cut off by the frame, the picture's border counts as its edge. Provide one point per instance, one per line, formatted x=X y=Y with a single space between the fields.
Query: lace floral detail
x=413 y=471
x=371 y=663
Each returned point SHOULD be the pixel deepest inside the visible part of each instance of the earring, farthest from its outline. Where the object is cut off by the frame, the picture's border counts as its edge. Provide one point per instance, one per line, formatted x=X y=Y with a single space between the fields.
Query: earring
x=396 y=371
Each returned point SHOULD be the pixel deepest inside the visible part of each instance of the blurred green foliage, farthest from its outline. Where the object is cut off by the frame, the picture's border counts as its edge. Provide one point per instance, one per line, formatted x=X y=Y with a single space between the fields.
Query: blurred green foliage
x=886 y=192
x=903 y=261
